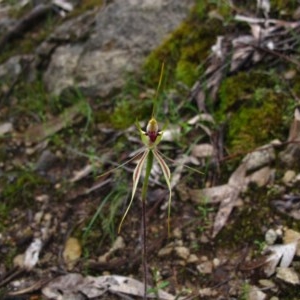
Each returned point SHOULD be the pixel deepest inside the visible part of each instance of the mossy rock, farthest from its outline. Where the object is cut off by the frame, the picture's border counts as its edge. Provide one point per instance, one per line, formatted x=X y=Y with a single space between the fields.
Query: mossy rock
x=185 y=50
x=255 y=106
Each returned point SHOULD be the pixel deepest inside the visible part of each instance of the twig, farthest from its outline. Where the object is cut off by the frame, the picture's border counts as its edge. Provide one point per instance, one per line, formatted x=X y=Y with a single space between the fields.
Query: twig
x=37 y=14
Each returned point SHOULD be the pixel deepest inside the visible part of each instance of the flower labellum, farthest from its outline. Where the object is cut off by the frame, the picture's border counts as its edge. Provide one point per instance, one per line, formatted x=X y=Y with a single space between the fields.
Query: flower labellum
x=152 y=130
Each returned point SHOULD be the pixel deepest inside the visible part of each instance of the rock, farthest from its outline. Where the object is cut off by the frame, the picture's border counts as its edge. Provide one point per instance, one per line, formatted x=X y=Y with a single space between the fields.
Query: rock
x=115 y=42
x=256 y=294
x=270 y=236
x=216 y=262
x=266 y=283
x=192 y=259
x=207 y=292
x=177 y=233
x=72 y=252
x=288 y=177
x=45 y=161
x=64 y=65
x=182 y=252
x=205 y=267
x=18 y=261
x=14 y=66
x=165 y=252
x=288 y=275
x=5 y=128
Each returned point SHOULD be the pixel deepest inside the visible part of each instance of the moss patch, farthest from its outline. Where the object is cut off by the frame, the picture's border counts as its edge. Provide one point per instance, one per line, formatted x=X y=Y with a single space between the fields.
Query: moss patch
x=255 y=106
x=186 y=48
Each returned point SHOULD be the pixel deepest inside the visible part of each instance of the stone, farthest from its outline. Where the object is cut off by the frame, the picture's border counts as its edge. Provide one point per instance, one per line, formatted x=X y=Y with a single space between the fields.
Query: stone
x=165 y=252
x=288 y=177
x=182 y=252
x=116 y=41
x=288 y=275
x=192 y=259
x=270 y=236
x=72 y=252
x=205 y=267
x=256 y=294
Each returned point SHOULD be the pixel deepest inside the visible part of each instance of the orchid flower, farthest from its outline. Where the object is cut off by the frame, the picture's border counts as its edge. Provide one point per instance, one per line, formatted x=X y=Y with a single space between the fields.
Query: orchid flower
x=151 y=138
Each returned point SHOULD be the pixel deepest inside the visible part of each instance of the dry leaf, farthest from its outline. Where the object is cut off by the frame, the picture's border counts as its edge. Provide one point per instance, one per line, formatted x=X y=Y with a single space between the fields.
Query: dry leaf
x=31 y=256
x=39 y=132
x=93 y=287
x=280 y=254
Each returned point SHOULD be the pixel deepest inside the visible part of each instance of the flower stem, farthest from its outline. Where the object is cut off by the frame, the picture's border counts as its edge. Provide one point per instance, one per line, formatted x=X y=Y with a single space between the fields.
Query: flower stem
x=144 y=195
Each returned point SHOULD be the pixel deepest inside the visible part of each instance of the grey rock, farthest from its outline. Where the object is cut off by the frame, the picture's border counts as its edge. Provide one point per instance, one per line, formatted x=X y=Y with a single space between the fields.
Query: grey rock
x=113 y=43
x=13 y=66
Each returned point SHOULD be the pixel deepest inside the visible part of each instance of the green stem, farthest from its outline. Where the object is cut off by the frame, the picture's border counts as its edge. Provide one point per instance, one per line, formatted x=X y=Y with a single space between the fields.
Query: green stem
x=147 y=175
x=144 y=195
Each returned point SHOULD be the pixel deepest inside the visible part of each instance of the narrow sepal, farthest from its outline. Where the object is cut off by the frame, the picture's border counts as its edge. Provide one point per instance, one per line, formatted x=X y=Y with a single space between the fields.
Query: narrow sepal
x=167 y=176
x=136 y=176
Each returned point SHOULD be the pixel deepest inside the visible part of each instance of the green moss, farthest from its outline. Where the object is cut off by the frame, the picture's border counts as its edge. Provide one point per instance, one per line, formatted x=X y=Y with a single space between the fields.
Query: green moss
x=22 y=187
x=283 y=7
x=185 y=49
x=126 y=113
x=130 y=106
x=19 y=188
x=255 y=106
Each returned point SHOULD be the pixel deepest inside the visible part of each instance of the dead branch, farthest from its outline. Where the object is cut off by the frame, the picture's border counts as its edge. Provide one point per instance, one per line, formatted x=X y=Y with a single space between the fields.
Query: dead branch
x=36 y=15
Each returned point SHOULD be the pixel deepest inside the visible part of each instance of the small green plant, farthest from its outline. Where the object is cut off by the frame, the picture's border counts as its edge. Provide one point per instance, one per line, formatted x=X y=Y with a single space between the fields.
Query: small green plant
x=158 y=283
x=204 y=211
x=245 y=291
x=260 y=245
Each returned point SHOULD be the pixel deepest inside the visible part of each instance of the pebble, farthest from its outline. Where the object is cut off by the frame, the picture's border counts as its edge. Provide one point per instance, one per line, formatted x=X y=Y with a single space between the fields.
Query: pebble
x=270 y=237
x=72 y=252
x=288 y=177
x=165 y=251
x=207 y=292
x=216 y=262
x=182 y=252
x=18 y=261
x=266 y=283
x=205 y=267
x=256 y=294
x=193 y=259
x=288 y=275
x=177 y=233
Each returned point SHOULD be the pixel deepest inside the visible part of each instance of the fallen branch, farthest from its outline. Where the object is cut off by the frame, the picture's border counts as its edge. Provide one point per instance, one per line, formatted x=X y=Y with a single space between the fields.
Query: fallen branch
x=36 y=15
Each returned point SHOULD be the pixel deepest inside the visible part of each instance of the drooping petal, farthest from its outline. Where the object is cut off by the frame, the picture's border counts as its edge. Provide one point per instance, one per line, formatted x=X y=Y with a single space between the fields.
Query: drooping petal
x=136 y=176
x=167 y=176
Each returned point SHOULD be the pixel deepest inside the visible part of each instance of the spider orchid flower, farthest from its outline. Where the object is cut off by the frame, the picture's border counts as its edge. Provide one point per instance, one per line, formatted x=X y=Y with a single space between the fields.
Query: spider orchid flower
x=150 y=138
